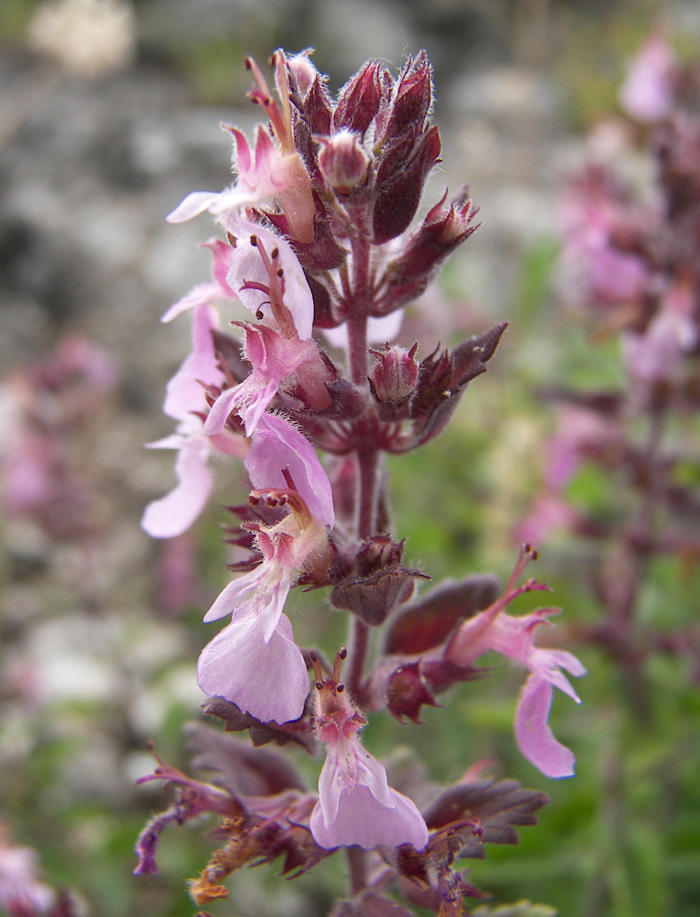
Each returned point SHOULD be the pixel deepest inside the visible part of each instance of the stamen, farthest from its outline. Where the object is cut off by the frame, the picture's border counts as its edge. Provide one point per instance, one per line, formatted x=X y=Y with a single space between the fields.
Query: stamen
x=280 y=121
x=275 y=496
x=317 y=669
x=275 y=289
x=341 y=655
x=259 y=78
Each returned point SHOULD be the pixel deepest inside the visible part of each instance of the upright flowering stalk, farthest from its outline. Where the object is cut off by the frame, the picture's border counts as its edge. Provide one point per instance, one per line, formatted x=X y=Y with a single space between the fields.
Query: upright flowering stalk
x=640 y=283
x=323 y=240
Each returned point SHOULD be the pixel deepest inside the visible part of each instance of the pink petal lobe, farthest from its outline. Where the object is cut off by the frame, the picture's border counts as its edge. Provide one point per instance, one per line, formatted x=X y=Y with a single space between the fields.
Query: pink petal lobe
x=202 y=293
x=174 y=513
x=534 y=736
x=364 y=822
x=264 y=591
x=195 y=203
x=267 y=680
x=278 y=445
x=357 y=806
x=248 y=267
x=185 y=391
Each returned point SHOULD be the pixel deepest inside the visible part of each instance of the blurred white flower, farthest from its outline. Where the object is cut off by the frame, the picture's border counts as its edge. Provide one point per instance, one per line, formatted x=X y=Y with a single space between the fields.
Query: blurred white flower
x=87 y=37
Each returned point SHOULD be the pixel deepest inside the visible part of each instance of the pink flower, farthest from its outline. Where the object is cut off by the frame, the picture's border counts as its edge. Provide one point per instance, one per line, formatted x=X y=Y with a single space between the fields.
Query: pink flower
x=173 y=514
x=656 y=355
x=254 y=662
x=647 y=92
x=581 y=433
x=492 y=629
x=549 y=513
x=20 y=890
x=603 y=232
x=273 y=171
x=356 y=805
x=268 y=279
x=266 y=678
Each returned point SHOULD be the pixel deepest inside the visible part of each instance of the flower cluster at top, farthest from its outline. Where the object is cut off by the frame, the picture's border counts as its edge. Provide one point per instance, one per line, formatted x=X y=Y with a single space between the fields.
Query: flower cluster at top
x=320 y=240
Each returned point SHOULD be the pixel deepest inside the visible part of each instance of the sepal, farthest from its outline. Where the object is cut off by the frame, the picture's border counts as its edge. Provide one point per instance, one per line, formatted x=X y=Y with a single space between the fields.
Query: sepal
x=377 y=581
x=298 y=732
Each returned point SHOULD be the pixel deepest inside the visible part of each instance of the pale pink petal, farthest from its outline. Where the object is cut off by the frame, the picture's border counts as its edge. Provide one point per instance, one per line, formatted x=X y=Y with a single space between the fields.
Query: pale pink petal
x=20 y=891
x=174 y=513
x=185 y=391
x=357 y=806
x=278 y=445
x=264 y=590
x=254 y=403
x=363 y=821
x=233 y=595
x=267 y=680
x=202 y=293
x=535 y=739
x=250 y=400
x=647 y=93
x=219 y=411
x=348 y=766
x=248 y=267
x=195 y=203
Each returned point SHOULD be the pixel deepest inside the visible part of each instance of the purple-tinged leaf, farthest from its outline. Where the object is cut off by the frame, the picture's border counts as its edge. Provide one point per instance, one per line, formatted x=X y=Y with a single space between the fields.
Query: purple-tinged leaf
x=429 y=620
x=244 y=770
x=495 y=806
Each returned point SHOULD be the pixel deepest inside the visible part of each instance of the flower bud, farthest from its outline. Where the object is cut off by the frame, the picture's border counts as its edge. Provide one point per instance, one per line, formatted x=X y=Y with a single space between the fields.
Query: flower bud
x=302 y=70
x=395 y=375
x=407 y=691
x=343 y=163
x=359 y=99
